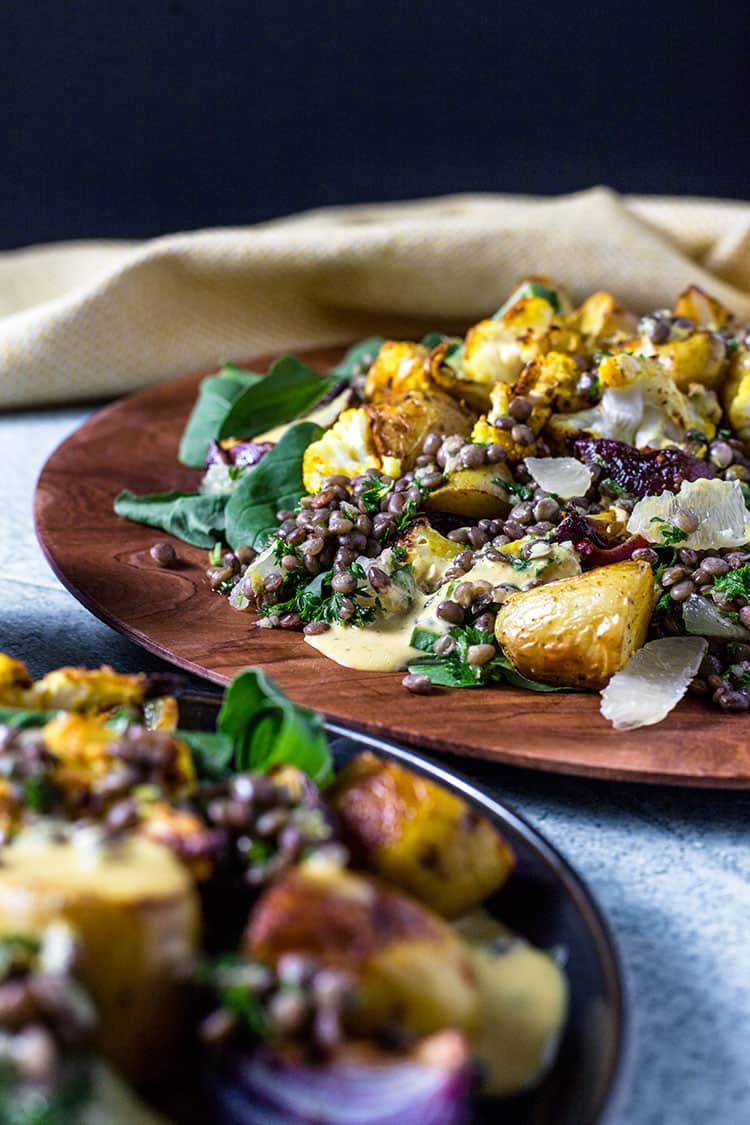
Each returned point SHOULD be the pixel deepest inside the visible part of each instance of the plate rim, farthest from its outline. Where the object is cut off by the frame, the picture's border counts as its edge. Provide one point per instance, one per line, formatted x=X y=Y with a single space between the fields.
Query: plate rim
x=645 y=770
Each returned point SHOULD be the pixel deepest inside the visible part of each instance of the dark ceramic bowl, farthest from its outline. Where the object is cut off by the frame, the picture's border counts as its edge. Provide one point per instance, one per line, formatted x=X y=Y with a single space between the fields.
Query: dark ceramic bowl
x=547 y=903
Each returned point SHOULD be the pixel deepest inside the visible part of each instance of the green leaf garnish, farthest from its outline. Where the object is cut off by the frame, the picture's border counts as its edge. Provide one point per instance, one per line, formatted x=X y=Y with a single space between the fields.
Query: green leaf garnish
x=267 y=729
x=274 y=483
x=359 y=359
x=290 y=389
x=195 y=518
x=215 y=398
x=529 y=289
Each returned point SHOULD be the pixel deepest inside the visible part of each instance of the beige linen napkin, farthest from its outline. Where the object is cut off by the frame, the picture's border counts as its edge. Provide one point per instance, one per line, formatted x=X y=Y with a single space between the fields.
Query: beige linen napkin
x=82 y=320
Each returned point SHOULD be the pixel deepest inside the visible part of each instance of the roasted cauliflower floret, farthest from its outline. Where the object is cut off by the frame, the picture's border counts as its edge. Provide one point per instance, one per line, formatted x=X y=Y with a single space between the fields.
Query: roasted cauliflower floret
x=579 y=631
x=602 y=321
x=15 y=682
x=86 y=752
x=347 y=449
x=419 y=836
x=700 y=357
x=429 y=554
x=485 y=430
x=68 y=689
x=400 y=366
x=497 y=350
x=552 y=381
x=641 y=405
x=736 y=393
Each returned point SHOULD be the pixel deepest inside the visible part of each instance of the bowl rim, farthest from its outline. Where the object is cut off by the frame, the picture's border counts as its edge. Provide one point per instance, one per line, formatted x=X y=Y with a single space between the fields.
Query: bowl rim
x=575 y=887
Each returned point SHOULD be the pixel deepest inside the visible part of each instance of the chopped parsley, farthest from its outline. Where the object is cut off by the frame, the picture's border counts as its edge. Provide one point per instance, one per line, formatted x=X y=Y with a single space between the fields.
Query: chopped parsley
x=613 y=487
x=514 y=488
x=316 y=601
x=734 y=584
x=669 y=533
x=456 y=671
x=520 y=563
x=373 y=493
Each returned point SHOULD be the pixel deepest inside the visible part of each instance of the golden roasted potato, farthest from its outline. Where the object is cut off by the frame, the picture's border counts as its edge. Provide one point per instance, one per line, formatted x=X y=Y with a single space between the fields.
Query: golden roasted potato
x=401 y=423
x=473 y=493
x=577 y=632
x=411 y=970
x=400 y=366
x=419 y=836
x=452 y=379
x=135 y=910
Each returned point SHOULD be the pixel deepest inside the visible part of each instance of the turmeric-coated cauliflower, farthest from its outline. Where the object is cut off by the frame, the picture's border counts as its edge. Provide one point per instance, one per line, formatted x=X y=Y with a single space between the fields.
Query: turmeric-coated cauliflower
x=641 y=405
x=400 y=366
x=347 y=449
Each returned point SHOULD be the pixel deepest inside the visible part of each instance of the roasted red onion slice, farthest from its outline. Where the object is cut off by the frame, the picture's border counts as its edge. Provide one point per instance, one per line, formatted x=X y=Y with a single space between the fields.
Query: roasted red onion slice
x=362 y=1086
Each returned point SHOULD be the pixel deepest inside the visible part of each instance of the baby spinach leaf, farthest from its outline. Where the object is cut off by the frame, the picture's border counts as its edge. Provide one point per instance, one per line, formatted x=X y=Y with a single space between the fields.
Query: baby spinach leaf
x=212 y=752
x=288 y=390
x=359 y=359
x=267 y=729
x=274 y=483
x=194 y=518
x=215 y=398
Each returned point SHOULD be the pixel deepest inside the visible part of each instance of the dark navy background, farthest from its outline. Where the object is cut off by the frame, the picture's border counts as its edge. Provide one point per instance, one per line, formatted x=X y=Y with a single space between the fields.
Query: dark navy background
x=134 y=117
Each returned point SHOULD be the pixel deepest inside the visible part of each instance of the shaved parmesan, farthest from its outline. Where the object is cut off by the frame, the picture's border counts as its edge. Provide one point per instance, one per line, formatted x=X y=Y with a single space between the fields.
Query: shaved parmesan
x=562 y=476
x=718 y=506
x=652 y=682
x=703 y=618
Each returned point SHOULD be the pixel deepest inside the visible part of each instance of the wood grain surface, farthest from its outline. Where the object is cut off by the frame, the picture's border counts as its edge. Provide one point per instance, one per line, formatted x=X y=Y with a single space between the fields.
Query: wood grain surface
x=104 y=561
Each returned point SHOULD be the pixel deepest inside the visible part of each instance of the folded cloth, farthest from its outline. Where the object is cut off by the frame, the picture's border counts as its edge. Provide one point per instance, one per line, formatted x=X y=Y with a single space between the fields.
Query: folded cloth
x=86 y=320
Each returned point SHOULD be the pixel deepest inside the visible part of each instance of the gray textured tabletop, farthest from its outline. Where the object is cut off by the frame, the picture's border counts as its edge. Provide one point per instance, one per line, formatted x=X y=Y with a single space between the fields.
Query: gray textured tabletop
x=670 y=868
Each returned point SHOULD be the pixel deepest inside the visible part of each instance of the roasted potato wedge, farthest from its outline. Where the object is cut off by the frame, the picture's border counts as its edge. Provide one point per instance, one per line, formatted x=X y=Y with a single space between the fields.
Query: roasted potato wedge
x=400 y=423
x=419 y=836
x=473 y=493
x=135 y=910
x=411 y=970
x=577 y=632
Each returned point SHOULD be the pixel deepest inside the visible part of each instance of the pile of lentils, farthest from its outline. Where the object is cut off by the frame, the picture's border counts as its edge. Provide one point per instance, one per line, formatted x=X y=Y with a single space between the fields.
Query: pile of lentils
x=360 y=516
x=298 y=1001
x=257 y=827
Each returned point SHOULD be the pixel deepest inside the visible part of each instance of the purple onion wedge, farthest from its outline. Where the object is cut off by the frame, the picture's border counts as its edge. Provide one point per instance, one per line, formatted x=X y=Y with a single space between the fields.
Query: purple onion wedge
x=431 y=1085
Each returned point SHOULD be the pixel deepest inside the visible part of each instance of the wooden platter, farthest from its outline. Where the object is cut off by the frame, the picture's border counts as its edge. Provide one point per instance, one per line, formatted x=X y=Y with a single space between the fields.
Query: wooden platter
x=104 y=561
